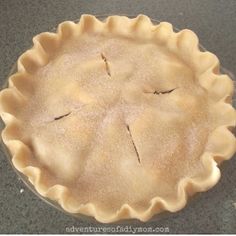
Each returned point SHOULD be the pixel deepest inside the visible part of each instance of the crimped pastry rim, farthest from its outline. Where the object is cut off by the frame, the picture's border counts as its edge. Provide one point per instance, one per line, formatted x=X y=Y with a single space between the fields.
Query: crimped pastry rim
x=186 y=186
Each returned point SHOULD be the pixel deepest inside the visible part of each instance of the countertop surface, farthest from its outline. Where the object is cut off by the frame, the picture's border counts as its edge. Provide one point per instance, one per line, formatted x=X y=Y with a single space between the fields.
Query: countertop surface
x=21 y=211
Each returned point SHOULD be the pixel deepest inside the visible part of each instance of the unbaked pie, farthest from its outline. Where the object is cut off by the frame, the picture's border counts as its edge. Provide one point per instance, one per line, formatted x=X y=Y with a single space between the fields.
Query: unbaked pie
x=118 y=119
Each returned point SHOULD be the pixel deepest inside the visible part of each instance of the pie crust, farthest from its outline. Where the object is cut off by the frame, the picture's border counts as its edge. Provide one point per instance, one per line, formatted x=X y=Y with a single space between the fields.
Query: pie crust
x=118 y=119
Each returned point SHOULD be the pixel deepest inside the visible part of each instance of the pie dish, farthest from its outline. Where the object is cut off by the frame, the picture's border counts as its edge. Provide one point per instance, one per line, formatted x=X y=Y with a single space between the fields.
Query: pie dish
x=118 y=119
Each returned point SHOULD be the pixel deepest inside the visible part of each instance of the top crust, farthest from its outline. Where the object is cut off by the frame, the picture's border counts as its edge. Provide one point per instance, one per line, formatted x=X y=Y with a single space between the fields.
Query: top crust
x=118 y=119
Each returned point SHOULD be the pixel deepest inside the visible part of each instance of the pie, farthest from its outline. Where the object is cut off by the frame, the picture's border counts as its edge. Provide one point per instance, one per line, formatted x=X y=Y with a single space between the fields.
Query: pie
x=118 y=119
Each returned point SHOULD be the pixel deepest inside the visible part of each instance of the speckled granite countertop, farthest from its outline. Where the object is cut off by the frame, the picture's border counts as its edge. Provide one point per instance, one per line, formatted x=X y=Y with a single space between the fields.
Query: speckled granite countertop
x=214 y=22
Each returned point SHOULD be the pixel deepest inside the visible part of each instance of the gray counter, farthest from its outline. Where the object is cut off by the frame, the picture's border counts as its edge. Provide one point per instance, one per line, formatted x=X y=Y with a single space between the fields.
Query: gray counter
x=214 y=22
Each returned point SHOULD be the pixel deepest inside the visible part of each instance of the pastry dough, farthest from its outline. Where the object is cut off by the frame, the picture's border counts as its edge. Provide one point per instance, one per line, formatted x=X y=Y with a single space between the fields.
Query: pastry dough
x=118 y=119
